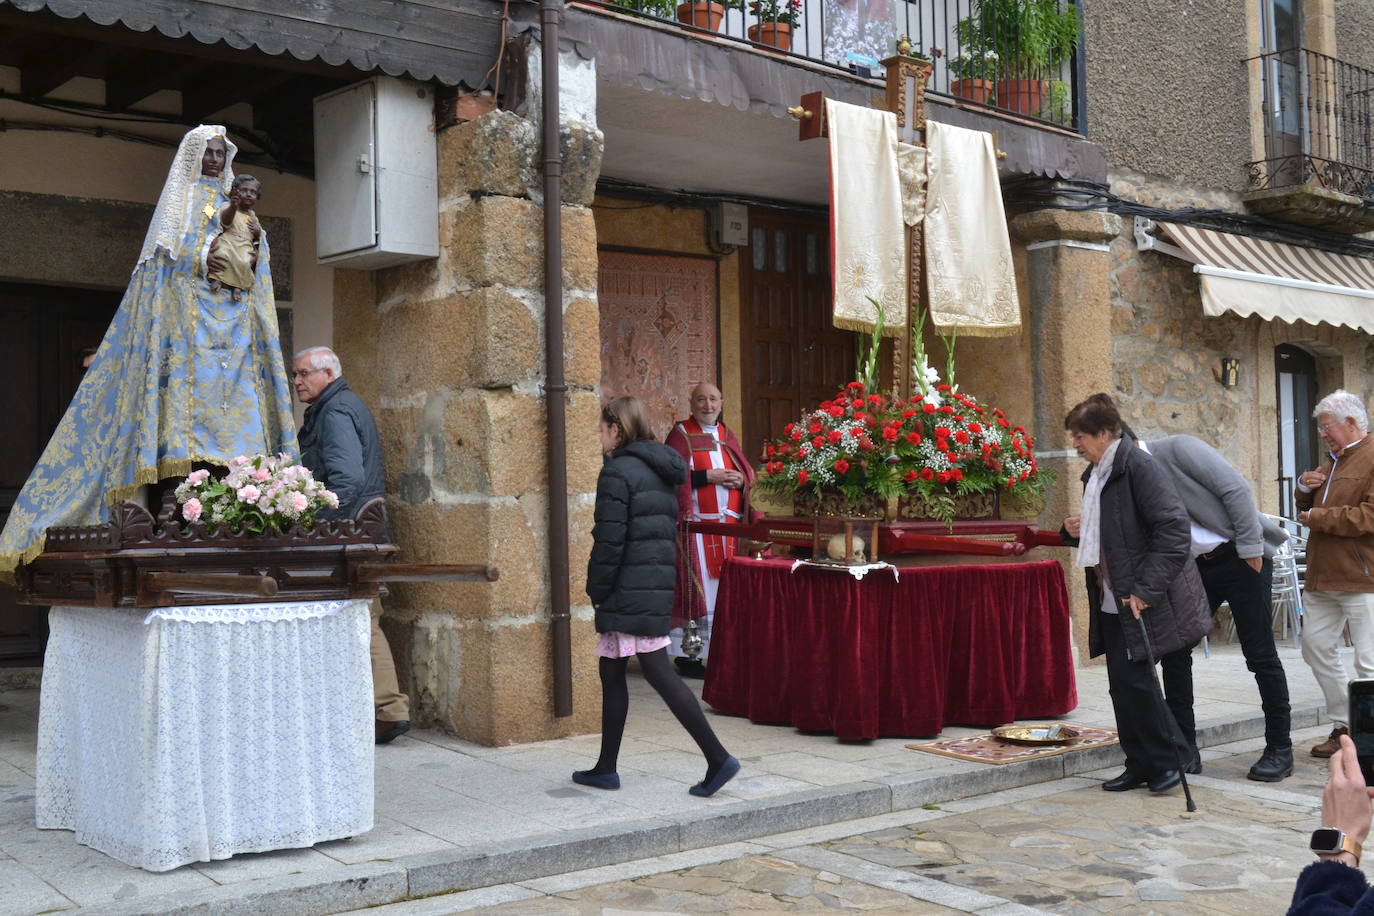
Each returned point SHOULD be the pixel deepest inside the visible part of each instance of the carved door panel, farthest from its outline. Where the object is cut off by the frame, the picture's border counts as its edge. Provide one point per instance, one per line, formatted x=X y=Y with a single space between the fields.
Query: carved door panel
x=658 y=329
x=46 y=332
x=791 y=354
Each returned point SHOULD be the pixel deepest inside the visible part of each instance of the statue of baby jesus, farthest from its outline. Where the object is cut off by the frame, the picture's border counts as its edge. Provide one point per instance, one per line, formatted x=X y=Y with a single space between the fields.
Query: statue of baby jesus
x=234 y=252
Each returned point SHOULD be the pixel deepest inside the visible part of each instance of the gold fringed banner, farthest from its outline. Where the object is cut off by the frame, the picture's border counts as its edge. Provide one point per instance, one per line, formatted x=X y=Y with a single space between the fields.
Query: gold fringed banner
x=868 y=240
x=969 y=272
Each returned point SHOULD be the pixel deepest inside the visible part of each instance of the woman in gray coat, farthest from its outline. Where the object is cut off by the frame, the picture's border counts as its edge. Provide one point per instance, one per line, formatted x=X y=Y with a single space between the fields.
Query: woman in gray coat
x=1133 y=538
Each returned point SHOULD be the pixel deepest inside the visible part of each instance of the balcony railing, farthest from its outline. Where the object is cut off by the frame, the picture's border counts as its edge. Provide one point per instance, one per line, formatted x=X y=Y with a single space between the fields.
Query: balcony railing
x=1318 y=124
x=1017 y=56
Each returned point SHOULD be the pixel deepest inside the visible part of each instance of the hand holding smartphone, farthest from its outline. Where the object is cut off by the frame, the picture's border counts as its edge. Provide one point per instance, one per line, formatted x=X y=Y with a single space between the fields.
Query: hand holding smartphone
x=1362 y=724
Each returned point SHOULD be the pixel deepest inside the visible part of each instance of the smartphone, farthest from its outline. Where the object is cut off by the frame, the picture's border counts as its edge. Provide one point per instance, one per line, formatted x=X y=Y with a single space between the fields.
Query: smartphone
x=1362 y=724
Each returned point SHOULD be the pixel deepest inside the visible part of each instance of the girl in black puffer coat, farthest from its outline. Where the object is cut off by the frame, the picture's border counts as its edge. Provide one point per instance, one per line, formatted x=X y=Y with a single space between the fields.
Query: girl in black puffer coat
x=631 y=578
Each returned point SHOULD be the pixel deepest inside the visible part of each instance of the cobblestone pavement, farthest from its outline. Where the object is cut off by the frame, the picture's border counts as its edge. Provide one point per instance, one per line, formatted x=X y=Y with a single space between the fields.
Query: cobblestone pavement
x=1062 y=847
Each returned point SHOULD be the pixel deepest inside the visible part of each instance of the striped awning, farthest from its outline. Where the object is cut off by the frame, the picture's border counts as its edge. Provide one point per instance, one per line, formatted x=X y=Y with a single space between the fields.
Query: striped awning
x=1250 y=276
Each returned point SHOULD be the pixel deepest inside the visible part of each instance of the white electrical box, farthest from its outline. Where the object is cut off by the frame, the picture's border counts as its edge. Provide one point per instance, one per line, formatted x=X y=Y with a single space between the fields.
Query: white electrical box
x=731 y=224
x=376 y=175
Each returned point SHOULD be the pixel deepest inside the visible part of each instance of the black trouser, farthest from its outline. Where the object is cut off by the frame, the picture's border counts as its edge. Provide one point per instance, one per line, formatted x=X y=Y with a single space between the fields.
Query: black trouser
x=1250 y=594
x=1147 y=729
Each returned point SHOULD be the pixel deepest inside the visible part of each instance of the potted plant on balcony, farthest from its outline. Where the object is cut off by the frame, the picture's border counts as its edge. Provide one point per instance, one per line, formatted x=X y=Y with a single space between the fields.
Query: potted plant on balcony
x=661 y=9
x=1057 y=106
x=776 y=19
x=706 y=14
x=1031 y=39
x=975 y=75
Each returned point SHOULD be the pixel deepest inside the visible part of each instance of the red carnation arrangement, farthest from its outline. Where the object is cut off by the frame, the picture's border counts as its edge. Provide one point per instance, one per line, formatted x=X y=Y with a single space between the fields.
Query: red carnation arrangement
x=938 y=445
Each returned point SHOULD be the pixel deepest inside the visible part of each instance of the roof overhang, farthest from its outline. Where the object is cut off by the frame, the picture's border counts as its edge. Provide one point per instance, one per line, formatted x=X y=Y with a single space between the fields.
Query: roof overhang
x=1250 y=276
x=451 y=42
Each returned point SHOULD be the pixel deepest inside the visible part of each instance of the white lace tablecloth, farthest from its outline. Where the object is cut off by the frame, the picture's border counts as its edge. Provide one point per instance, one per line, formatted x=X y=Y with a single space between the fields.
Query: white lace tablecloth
x=192 y=734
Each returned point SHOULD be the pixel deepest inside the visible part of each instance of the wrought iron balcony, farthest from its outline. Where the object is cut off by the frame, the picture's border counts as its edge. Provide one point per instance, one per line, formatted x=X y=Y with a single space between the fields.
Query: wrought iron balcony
x=1318 y=168
x=1021 y=57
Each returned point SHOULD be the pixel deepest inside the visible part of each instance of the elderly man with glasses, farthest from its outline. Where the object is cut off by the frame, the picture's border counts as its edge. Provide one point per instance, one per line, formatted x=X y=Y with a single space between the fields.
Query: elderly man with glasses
x=341 y=447
x=1337 y=503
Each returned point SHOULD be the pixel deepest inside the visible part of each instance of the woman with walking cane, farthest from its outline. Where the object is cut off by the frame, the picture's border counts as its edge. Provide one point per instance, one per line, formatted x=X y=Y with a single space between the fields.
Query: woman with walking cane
x=1147 y=599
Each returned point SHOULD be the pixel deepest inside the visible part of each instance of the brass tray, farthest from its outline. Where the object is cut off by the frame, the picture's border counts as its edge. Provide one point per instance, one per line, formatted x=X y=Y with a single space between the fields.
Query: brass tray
x=1036 y=734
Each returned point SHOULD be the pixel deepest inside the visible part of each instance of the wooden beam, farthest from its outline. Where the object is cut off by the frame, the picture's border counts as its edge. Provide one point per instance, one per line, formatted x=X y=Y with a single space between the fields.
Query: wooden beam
x=810 y=115
x=131 y=78
x=290 y=104
x=47 y=64
x=209 y=91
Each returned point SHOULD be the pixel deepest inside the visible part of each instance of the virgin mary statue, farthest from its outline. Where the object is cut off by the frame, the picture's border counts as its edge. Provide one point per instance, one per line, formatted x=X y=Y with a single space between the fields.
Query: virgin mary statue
x=185 y=374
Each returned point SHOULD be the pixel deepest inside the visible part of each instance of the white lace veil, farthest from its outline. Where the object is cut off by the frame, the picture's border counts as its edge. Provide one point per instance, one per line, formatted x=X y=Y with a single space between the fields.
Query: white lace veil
x=171 y=218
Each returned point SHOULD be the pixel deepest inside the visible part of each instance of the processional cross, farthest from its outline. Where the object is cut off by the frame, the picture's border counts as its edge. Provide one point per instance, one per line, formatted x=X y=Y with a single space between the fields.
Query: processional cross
x=906 y=98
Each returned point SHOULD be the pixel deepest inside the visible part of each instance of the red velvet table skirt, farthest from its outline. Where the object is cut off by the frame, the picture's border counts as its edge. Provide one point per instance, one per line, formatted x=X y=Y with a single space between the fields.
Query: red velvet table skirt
x=978 y=645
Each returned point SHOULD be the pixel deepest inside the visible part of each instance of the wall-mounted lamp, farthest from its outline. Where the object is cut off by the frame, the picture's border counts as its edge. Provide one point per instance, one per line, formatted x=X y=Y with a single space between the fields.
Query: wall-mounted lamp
x=1230 y=372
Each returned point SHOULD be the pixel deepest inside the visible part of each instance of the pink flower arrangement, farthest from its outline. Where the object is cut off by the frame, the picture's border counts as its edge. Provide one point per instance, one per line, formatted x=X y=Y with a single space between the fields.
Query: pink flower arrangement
x=258 y=494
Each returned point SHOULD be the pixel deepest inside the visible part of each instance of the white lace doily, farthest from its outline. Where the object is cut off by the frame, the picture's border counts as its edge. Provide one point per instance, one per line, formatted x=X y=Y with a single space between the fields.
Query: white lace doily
x=858 y=572
x=245 y=613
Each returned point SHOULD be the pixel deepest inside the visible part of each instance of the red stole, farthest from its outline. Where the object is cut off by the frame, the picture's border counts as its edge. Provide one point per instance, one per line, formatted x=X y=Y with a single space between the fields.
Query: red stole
x=703 y=446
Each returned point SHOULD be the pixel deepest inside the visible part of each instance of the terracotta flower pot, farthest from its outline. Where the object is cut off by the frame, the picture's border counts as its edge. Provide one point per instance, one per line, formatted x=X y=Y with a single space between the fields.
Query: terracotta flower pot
x=1021 y=96
x=774 y=34
x=975 y=90
x=702 y=14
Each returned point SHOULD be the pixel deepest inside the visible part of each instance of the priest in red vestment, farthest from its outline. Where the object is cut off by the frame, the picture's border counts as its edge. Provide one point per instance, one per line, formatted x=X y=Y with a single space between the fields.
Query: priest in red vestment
x=716 y=490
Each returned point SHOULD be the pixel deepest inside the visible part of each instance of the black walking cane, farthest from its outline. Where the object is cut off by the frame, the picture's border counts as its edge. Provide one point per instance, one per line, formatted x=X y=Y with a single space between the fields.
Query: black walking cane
x=1165 y=716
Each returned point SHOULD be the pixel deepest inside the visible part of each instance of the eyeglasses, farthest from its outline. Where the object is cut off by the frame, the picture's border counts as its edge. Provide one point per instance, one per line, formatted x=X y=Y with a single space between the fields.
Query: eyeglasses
x=304 y=373
x=1323 y=427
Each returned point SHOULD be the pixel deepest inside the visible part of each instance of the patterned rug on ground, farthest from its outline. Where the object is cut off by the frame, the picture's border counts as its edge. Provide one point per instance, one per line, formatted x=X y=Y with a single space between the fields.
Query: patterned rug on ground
x=990 y=749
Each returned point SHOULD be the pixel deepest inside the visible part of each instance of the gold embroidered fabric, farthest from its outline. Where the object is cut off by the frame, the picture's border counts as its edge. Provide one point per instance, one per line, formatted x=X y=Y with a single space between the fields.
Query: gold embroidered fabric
x=970 y=277
x=911 y=171
x=869 y=240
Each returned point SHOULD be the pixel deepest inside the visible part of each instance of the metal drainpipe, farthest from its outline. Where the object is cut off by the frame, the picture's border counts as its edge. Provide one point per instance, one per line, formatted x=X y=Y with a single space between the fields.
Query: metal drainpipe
x=555 y=386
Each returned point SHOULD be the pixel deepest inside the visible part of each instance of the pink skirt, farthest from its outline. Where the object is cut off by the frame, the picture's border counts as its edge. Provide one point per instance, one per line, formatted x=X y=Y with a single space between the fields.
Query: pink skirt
x=623 y=645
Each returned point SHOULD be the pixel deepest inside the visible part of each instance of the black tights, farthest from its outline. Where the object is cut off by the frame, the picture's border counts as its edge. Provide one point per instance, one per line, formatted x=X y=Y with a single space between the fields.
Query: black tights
x=615 y=705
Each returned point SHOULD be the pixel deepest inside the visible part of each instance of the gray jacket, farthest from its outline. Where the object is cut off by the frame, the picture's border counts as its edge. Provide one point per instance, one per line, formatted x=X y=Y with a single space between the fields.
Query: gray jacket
x=341 y=447
x=1216 y=496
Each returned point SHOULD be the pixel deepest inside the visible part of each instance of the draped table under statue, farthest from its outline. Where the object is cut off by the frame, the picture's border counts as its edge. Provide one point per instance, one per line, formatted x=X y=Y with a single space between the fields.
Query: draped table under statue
x=187 y=734
x=977 y=645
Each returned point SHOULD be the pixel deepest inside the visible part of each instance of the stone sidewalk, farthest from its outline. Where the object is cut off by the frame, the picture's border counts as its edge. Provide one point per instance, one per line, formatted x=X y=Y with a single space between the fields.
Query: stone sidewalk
x=457 y=816
x=1063 y=847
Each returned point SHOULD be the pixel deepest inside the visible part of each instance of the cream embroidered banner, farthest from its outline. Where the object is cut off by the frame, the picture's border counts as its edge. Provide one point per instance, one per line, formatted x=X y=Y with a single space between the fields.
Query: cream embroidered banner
x=970 y=277
x=868 y=244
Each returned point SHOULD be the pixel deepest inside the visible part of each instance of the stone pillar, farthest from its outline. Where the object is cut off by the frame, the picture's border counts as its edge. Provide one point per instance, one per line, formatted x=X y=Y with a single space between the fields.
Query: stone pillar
x=454 y=354
x=1071 y=355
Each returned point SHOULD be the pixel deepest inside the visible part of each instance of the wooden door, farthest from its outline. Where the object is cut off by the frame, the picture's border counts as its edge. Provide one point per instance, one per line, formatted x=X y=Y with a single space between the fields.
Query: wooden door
x=46 y=332
x=791 y=354
x=658 y=330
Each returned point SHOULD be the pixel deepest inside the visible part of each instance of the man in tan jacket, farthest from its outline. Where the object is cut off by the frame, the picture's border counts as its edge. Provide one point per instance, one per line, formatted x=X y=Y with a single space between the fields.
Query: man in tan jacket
x=1337 y=503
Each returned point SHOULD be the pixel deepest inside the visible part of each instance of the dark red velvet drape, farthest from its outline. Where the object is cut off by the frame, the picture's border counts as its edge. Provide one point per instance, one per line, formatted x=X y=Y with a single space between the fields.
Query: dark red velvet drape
x=977 y=645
